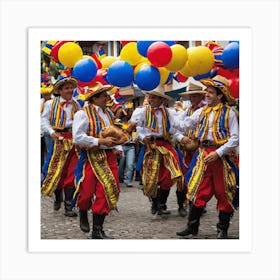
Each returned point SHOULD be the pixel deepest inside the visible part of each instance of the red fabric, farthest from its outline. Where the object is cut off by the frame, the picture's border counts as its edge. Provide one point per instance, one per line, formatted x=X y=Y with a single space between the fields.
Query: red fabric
x=92 y=187
x=213 y=184
x=67 y=176
x=164 y=180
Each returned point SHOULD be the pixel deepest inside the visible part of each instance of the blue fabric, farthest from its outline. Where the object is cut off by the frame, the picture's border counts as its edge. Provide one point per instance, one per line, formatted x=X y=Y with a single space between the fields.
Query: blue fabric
x=140 y=158
x=180 y=156
x=47 y=161
x=79 y=173
x=192 y=164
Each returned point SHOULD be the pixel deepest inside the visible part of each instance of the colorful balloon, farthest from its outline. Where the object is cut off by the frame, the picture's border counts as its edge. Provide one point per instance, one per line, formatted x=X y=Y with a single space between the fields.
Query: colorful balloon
x=179 y=58
x=84 y=70
x=230 y=56
x=159 y=54
x=69 y=54
x=200 y=60
x=234 y=87
x=120 y=73
x=126 y=42
x=142 y=47
x=107 y=61
x=164 y=75
x=55 y=49
x=147 y=77
x=130 y=54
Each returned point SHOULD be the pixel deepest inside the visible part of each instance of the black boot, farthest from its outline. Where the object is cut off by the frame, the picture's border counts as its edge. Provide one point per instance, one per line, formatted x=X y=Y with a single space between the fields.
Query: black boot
x=162 y=199
x=223 y=225
x=154 y=207
x=193 y=222
x=181 y=197
x=97 y=229
x=69 y=192
x=84 y=224
x=58 y=199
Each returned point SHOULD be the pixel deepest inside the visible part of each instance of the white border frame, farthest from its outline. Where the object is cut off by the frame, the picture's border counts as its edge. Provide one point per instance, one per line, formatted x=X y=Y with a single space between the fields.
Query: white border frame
x=244 y=35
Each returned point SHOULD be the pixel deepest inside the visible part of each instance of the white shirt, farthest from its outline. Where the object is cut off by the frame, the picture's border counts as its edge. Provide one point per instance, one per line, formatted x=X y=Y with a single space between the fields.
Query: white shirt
x=186 y=123
x=46 y=116
x=139 y=116
x=81 y=128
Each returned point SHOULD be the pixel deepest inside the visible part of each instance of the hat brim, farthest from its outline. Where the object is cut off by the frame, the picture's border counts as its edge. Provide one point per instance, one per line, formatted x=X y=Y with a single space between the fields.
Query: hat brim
x=193 y=92
x=104 y=88
x=159 y=94
x=59 y=84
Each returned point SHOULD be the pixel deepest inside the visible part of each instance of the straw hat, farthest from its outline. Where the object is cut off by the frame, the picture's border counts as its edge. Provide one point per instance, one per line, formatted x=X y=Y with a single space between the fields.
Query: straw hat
x=192 y=89
x=46 y=89
x=223 y=84
x=59 y=83
x=159 y=91
x=96 y=88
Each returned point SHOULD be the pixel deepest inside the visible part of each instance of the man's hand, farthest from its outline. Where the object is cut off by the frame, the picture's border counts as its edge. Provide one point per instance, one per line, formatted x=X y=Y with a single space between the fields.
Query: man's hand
x=56 y=136
x=185 y=140
x=108 y=141
x=212 y=156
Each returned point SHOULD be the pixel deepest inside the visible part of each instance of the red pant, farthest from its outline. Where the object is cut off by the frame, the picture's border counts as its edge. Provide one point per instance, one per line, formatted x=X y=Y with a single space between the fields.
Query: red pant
x=67 y=176
x=213 y=184
x=91 y=186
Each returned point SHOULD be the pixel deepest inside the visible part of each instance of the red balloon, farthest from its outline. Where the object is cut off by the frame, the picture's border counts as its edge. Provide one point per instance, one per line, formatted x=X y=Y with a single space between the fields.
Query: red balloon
x=159 y=54
x=229 y=74
x=55 y=49
x=234 y=87
x=126 y=42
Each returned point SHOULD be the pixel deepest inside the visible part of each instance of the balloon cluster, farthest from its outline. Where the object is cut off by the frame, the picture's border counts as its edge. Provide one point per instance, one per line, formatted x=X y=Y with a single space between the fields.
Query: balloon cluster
x=149 y=64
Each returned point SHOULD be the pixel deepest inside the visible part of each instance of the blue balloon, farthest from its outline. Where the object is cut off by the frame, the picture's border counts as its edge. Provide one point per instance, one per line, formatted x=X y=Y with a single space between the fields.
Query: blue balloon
x=120 y=73
x=84 y=70
x=170 y=43
x=147 y=77
x=230 y=56
x=142 y=47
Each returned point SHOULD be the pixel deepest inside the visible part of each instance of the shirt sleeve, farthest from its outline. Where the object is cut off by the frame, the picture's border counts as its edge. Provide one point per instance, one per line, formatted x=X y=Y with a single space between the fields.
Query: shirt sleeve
x=45 y=118
x=184 y=122
x=80 y=130
x=233 y=141
x=138 y=116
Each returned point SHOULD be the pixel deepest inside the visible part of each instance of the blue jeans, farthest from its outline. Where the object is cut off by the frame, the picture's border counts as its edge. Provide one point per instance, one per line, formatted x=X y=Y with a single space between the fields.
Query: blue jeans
x=128 y=159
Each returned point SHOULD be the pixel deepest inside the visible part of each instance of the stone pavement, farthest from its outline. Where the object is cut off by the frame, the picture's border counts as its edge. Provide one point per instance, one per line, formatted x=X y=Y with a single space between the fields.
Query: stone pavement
x=134 y=220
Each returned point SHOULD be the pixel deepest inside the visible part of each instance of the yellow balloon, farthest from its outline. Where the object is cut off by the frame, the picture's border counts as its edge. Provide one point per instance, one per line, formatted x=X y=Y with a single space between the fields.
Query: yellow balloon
x=140 y=65
x=130 y=54
x=164 y=73
x=187 y=70
x=70 y=53
x=200 y=59
x=88 y=56
x=107 y=61
x=179 y=58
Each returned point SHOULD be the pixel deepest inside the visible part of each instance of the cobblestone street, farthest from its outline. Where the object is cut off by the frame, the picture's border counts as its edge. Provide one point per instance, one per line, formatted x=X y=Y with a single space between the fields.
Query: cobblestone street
x=134 y=220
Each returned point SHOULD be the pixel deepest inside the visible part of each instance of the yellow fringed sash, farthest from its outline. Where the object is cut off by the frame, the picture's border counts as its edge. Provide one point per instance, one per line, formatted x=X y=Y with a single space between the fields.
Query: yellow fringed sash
x=151 y=164
x=61 y=150
x=102 y=171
